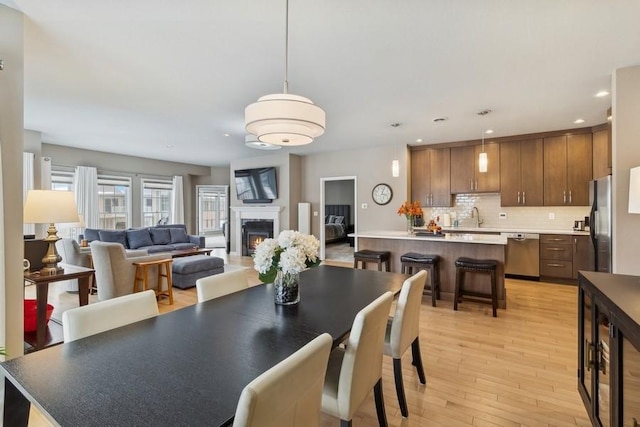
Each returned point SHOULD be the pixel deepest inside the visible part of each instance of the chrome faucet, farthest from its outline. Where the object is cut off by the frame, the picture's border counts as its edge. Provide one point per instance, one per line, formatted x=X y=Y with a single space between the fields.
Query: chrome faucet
x=476 y=217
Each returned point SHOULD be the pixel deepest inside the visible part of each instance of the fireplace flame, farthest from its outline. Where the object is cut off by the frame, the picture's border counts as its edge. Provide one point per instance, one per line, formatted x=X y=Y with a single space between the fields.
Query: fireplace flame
x=256 y=242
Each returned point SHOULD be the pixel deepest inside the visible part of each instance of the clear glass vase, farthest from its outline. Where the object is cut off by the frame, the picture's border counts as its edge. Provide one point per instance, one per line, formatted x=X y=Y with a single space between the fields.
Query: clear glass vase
x=287 y=288
x=409 y=226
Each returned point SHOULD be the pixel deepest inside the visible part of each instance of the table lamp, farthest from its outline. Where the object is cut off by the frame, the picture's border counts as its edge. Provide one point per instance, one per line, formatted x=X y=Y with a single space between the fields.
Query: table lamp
x=634 y=190
x=49 y=207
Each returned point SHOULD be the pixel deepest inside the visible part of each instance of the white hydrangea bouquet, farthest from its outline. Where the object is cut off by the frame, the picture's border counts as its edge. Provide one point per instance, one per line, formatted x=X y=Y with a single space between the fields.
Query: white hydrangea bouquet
x=291 y=253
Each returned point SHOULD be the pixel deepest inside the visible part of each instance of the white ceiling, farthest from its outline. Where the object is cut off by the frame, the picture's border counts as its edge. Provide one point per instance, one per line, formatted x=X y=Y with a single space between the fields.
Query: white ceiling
x=132 y=77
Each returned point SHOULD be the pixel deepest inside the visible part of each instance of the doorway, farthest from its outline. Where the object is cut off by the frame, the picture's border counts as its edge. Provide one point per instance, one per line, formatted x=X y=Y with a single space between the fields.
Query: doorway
x=338 y=194
x=213 y=214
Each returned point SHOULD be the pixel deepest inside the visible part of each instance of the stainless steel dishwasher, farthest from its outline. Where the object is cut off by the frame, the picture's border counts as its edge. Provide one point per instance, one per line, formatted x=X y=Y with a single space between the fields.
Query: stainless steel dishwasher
x=522 y=258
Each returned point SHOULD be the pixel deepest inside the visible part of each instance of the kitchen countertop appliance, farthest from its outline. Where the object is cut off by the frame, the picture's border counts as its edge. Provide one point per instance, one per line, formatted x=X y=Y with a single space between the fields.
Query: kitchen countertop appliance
x=522 y=258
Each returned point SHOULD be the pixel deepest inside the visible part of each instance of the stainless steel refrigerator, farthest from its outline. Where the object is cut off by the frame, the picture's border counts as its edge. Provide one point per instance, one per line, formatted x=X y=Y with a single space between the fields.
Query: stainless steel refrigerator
x=600 y=222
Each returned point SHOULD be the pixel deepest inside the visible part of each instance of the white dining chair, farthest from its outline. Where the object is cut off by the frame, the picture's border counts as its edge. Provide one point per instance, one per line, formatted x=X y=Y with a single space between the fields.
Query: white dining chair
x=215 y=286
x=288 y=394
x=354 y=370
x=403 y=332
x=102 y=316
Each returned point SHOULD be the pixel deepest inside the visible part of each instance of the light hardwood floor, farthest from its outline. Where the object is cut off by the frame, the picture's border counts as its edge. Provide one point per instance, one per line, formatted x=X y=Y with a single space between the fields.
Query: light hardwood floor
x=518 y=369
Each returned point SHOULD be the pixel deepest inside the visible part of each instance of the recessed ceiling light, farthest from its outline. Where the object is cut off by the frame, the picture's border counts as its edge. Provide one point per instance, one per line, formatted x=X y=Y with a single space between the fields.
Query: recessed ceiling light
x=488 y=131
x=251 y=141
x=419 y=140
x=578 y=121
x=440 y=119
x=169 y=146
x=226 y=134
x=602 y=94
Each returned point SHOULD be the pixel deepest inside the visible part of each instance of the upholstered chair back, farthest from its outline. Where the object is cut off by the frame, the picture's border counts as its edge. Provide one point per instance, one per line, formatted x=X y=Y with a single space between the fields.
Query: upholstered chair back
x=102 y=316
x=215 y=286
x=289 y=394
x=115 y=271
x=405 y=325
x=362 y=359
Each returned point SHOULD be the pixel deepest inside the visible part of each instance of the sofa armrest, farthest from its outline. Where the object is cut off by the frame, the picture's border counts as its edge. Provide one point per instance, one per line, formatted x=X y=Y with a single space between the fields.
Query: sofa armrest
x=197 y=240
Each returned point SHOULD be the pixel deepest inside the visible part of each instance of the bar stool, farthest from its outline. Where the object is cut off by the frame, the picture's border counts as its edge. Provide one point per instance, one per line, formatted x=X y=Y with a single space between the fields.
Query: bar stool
x=487 y=266
x=414 y=261
x=378 y=257
x=142 y=275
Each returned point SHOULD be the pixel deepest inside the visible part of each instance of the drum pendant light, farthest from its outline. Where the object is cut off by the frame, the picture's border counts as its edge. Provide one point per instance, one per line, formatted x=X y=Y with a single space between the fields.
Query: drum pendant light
x=283 y=118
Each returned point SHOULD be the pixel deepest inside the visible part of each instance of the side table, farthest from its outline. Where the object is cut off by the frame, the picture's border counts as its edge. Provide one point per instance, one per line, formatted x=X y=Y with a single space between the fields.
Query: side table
x=41 y=282
x=142 y=275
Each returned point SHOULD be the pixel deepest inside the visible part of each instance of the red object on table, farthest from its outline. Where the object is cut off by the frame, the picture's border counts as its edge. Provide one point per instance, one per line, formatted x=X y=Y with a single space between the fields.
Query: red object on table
x=30 y=314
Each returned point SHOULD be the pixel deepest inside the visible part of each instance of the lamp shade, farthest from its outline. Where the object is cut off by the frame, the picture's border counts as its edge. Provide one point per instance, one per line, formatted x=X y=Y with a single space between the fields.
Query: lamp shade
x=50 y=206
x=634 y=190
x=395 y=168
x=483 y=162
x=284 y=119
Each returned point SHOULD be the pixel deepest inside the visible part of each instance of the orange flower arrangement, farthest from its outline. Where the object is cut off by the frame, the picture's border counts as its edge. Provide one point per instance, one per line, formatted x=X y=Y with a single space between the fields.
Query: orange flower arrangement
x=410 y=209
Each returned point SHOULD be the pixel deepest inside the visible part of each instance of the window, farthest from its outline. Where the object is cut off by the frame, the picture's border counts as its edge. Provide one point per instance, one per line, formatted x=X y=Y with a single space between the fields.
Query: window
x=156 y=201
x=62 y=180
x=114 y=201
x=212 y=208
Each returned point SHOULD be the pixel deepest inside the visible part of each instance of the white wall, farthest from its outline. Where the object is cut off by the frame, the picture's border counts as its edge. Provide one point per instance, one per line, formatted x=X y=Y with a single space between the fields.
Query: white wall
x=626 y=154
x=11 y=144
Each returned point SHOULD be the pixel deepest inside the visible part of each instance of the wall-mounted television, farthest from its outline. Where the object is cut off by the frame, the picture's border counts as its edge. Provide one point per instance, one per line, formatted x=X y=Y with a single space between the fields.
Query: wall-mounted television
x=259 y=185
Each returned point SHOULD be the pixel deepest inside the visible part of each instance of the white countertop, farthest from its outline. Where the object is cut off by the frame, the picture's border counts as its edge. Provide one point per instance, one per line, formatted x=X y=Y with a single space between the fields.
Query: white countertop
x=485 y=239
x=507 y=230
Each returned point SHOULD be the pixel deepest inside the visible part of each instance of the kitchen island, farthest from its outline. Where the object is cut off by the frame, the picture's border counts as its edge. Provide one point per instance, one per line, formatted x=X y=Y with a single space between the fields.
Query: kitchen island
x=449 y=247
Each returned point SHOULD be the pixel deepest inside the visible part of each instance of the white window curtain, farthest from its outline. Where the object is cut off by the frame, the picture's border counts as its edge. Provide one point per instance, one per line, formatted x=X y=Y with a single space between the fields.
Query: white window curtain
x=28 y=179
x=85 y=187
x=177 y=201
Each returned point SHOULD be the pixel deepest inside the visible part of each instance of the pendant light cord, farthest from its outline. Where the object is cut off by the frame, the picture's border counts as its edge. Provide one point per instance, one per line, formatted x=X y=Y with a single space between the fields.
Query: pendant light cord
x=286 y=48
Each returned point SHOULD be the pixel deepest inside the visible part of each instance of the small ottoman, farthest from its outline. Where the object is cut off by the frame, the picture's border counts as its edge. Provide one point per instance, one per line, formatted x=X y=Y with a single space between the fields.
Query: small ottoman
x=186 y=270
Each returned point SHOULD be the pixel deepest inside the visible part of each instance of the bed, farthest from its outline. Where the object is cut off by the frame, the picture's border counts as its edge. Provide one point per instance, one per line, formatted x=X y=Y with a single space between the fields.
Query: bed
x=337 y=222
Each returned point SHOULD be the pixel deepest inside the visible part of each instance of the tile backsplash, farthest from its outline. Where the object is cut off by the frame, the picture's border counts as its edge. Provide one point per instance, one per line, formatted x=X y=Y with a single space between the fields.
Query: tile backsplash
x=488 y=205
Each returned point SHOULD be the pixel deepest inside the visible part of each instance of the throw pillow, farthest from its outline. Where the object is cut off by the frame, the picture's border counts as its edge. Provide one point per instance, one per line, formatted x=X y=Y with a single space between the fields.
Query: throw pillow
x=91 y=234
x=178 y=235
x=139 y=238
x=113 y=236
x=160 y=236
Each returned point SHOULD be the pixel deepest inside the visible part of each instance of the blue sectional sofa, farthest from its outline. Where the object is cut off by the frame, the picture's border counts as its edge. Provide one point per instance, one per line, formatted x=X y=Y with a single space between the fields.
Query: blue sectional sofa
x=159 y=238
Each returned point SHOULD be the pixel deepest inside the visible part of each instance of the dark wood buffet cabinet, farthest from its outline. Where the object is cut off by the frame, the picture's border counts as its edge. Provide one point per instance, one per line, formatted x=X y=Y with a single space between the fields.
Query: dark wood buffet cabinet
x=609 y=347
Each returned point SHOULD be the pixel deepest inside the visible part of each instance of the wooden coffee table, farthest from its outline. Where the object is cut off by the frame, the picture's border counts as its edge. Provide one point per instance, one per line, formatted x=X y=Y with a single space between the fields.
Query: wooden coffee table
x=188 y=252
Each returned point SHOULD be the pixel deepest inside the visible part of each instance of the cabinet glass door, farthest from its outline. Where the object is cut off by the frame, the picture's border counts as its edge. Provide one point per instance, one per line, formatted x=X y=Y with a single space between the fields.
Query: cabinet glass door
x=587 y=347
x=630 y=373
x=603 y=381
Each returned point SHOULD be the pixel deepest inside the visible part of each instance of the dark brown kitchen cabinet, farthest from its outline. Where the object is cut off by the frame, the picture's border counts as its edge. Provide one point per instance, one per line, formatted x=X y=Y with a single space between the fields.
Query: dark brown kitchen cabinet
x=601 y=153
x=609 y=348
x=556 y=256
x=465 y=176
x=521 y=173
x=431 y=177
x=583 y=255
x=568 y=168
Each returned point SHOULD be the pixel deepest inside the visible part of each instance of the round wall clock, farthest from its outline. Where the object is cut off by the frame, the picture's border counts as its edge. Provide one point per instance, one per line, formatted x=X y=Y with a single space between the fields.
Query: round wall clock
x=382 y=194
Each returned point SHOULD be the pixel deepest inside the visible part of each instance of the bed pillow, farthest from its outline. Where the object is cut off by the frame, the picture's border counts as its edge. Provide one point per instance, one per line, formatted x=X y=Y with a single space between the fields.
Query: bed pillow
x=160 y=236
x=113 y=236
x=339 y=220
x=178 y=235
x=139 y=238
x=331 y=219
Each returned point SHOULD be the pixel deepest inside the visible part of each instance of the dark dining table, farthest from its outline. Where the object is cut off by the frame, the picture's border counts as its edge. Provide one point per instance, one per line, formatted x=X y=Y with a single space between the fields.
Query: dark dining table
x=189 y=366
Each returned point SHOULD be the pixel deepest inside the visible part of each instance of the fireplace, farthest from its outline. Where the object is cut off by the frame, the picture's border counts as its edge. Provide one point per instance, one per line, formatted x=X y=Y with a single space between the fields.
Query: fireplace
x=254 y=231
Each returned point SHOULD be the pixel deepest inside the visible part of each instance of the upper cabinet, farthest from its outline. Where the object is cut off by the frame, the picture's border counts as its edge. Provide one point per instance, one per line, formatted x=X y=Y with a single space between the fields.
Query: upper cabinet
x=465 y=176
x=431 y=177
x=601 y=153
x=567 y=170
x=521 y=173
